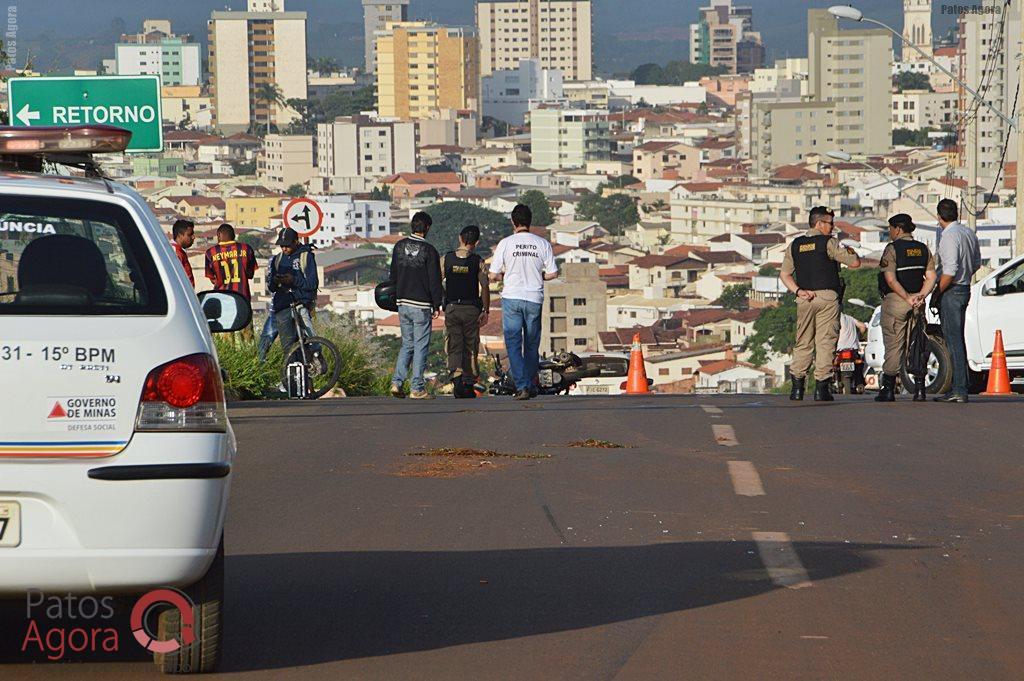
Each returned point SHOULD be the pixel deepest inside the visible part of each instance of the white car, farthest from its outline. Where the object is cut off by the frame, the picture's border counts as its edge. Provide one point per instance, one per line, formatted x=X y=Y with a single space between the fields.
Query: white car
x=997 y=302
x=614 y=369
x=115 y=447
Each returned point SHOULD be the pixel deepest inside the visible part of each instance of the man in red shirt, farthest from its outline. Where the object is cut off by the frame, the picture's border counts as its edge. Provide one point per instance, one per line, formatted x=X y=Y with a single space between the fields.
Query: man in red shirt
x=183 y=236
x=231 y=265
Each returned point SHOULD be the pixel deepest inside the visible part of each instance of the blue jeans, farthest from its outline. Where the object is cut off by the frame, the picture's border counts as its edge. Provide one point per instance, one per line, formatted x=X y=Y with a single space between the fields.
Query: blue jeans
x=267 y=336
x=952 y=309
x=415 y=323
x=285 y=325
x=520 y=320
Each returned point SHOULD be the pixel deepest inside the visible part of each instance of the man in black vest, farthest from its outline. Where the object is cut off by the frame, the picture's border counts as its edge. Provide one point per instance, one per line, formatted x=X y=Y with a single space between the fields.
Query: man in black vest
x=906 y=278
x=810 y=269
x=467 y=300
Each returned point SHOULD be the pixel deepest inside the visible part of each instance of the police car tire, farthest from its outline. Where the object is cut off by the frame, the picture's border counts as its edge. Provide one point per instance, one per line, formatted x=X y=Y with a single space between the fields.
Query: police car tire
x=943 y=379
x=207 y=596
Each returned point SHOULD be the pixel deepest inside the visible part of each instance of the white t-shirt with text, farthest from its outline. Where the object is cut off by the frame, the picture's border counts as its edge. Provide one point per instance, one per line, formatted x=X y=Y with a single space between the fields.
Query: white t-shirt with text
x=524 y=258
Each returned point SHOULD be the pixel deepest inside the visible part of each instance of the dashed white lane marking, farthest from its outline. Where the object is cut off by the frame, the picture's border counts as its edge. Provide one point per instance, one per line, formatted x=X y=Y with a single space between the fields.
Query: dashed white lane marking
x=783 y=565
x=745 y=479
x=724 y=435
x=709 y=409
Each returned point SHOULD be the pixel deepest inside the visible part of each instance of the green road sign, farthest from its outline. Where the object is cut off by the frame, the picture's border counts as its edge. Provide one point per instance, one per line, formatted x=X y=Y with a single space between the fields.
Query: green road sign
x=130 y=102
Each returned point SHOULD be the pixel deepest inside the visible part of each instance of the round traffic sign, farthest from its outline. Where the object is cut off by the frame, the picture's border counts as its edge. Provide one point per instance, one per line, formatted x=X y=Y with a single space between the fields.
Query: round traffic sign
x=304 y=216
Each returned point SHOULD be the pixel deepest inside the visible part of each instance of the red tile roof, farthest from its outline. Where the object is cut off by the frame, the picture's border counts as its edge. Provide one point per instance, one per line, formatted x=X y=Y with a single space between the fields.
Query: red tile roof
x=794 y=172
x=423 y=178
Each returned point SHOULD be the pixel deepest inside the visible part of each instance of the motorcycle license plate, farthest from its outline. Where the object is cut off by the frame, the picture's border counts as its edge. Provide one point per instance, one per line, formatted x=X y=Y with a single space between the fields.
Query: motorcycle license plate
x=10 y=524
x=846 y=366
x=545 y=378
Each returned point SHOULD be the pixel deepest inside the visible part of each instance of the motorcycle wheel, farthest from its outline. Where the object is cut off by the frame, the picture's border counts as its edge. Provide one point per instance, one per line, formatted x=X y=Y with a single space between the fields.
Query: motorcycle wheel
x=847 y=384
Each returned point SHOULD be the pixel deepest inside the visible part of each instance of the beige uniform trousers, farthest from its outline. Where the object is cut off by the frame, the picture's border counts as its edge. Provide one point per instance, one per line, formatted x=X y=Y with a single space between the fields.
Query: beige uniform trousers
x=817 y=334
x=896 y=317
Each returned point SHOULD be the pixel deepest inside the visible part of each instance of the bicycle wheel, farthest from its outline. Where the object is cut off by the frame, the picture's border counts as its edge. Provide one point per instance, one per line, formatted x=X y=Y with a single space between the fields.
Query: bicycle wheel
x=323 y=365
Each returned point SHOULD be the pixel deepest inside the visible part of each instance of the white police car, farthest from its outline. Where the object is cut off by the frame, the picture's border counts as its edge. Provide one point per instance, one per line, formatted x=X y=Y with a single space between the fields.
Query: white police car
x=115 y=448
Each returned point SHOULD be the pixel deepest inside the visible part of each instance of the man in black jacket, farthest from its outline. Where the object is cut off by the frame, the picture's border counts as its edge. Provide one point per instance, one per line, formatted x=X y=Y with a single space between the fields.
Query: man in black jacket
x=416 y=273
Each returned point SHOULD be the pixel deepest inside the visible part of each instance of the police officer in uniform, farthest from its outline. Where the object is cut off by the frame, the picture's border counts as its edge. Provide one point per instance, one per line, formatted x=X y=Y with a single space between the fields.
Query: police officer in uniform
x=810 y=269
x=906 y=278
x=467 y=300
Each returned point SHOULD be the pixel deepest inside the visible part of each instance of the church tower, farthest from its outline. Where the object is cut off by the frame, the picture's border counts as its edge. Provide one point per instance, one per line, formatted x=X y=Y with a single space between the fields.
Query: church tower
x=917 y=28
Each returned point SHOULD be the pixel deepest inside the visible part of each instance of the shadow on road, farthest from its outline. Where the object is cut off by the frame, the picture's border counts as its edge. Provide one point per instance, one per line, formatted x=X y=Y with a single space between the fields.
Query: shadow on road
x=295 y=609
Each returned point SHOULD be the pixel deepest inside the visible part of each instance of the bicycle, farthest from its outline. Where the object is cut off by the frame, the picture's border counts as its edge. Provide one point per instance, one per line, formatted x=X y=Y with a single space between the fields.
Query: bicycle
x=318 y=358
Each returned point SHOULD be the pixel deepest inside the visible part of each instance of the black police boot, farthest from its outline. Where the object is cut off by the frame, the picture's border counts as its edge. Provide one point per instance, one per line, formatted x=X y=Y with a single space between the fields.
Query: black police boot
x=920 y=395
x=887 y=393
x=797 y=392
x=823 y=391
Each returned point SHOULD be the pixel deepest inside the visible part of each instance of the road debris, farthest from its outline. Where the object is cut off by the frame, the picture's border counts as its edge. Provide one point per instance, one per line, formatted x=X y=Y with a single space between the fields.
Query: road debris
x=596 y=444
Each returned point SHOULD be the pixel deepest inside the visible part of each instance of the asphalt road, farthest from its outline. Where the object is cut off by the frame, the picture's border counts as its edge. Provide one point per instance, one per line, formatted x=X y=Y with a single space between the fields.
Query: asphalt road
x=739 y=537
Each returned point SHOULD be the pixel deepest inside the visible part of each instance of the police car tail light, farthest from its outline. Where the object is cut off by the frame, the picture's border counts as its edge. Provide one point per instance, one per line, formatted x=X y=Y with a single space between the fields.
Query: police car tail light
x=94 y=139
x=184 y=395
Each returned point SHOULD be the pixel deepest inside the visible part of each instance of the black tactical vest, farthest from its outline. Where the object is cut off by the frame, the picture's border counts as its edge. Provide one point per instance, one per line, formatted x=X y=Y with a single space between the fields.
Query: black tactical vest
x=814 y=270
x=911 y=264
x=462 y=279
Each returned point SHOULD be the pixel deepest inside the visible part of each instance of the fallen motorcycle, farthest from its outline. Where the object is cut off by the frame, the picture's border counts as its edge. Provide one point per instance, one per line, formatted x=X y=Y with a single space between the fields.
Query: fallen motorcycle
x=557 y=375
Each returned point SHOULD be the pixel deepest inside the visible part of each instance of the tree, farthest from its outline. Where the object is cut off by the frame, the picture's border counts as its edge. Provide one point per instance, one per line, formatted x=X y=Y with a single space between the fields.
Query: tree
x=295 y=191
x=911 y=81
x=382 y=193
x=257 y=242
x=243 y=167
x=768 y=271
x=346 y=103
x=735 y=297
x=614 y=213
x=449 y=217
x=535 y=200
x=863 y=284
x=673 y=73
x=911 y=138
x=617 y=182
x=324 y=65
x=774 y=331
x=270 y=95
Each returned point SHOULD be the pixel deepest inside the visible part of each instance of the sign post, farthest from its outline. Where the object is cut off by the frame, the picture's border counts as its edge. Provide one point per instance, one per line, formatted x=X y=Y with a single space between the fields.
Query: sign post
x=129 y=102
x=304 y=216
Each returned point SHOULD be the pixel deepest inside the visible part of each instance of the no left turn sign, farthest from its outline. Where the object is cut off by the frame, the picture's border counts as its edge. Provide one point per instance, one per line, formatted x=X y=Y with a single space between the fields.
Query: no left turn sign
x=304 y=216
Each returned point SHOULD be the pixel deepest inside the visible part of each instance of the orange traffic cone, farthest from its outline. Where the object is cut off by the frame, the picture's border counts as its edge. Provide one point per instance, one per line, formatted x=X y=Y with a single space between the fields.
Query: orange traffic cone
x=998 y=375
x=636 y=381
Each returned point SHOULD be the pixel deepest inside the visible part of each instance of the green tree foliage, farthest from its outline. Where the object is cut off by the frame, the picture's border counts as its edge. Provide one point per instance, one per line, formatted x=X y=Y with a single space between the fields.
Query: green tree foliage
x=382 y=193
x=911 y=81
x=735 y=297
x=768 y=271
x=340 y=102
x=863 y=284
x=243 y=167
x=538 y=204
x=449 y=217
x=614 y=213
x=295 y=191
x=269 y=94
x=324 y=65
x=673 y=73
x=257 y=242
x=774 y=331
x=911 y=138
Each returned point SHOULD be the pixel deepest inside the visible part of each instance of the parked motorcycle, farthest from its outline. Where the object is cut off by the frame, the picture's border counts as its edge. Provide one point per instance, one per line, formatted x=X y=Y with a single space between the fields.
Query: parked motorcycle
x=556 y=375
x=848 y=372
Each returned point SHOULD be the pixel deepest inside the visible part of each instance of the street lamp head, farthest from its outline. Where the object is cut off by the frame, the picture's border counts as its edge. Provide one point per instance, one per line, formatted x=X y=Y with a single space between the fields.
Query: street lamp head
x=846 y=12
x=856 y=301
x=839 y=155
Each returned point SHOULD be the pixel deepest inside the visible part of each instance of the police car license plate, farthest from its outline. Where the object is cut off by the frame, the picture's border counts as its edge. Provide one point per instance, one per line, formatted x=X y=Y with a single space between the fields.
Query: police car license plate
x=846 y=366
x=596 y=390
x=10 y=524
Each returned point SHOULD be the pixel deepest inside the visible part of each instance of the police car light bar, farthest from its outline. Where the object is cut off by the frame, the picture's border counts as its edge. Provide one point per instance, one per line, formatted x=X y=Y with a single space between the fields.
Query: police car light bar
x=87 y=139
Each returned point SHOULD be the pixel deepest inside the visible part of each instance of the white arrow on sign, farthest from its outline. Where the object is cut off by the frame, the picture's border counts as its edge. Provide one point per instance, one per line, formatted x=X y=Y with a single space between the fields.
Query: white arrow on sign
x=26 y=117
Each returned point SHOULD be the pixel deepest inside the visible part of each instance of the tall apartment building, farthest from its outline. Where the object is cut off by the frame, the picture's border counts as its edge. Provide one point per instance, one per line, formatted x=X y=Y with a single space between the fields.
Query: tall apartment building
x=782 y=132
x=507 y=94
x=376 y=15
x=158 y=52
x=917 y=28
x=723 y=36
x=986 y=51
x=265 y=45
x=852 y=69
x=423 y=67
x=285 y=160
x=568 y=138
x=355 y=151
x=575 y=309
x=557 y=32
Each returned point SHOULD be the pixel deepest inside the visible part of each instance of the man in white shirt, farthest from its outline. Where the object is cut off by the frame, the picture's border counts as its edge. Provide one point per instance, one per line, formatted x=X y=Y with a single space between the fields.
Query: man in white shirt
x=959 y=259
x=850 y=329
x=523 y=261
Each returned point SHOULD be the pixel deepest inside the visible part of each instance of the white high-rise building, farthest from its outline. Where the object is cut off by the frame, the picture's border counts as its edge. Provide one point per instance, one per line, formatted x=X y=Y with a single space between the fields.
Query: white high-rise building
x=376 y=15
x=507 y=94
x=354 y=152
x=248 y=50
x=557 y=32
x=158 y=52
x=345 y=216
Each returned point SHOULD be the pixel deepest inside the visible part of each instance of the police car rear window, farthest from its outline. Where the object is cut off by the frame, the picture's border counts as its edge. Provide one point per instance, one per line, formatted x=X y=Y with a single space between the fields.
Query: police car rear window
x=74 y=257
